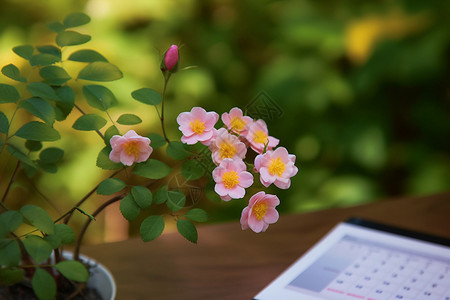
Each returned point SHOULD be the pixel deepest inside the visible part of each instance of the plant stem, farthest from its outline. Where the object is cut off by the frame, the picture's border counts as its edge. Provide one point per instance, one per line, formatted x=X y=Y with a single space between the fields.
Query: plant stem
x=166 y=80
x=10 y=182
x=97 y=131
x=86 y=225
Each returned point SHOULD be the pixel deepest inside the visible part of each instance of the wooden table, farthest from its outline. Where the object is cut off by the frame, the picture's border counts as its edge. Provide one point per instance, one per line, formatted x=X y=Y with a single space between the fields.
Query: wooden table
x=228 y=263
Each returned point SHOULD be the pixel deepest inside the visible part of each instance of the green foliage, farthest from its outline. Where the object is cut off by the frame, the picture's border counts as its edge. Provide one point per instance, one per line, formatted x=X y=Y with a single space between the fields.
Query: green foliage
x=177 y=150
x=33 y=146
x=161 y=194
x=51 y=50
x=187 y=230
x=44 y=285
x=24 y=51
x=89 y=122
x=147 y=96
x=151 y=228
x=129 y=119
x=142 y=196
x=99 y=97
x=192 y=169
x=4 y=123
x=43 y=59
x=10 y=276
x=110 y=186
x=128 y=207
x=9 y=253
x=65 y=102
x=37 y=248
x=175 y=200
x=197 y=215
x=13 y=72
x=100 y=71
x=104 y=162
x=152 y=169
x=37 y=131
x=38 y=217
x=51 y=155
x=39 y=108
x=76 y=19
x=73 y=270
x=71 y=38
x=65 y=233
x=20 y=156
x=54 y=75
x=10 y=220
x=8 y=94
x=87 y=55
x=157 y=140
x=42 y=90
x=109 y=133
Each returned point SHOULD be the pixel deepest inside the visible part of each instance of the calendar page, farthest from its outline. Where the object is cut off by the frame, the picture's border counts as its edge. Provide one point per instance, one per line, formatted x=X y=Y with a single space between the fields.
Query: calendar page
x=364 y=260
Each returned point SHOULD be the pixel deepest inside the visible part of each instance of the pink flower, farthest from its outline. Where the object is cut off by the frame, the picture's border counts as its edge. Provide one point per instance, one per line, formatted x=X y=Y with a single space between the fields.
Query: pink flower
x=197 y=126
x=130 y=148
x=276 y=167
x=260 y=212
x=231 y=179
x=227 y=145
x=236 y=121
x=258 y=137
x=170 y=58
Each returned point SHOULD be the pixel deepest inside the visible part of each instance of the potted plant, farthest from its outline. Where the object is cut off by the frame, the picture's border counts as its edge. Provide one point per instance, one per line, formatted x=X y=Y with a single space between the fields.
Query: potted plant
x=36 y=258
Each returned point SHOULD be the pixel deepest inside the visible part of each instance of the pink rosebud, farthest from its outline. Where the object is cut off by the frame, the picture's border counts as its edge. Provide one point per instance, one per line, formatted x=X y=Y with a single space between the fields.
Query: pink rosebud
x=197 y=126
x=231 y=179
x=130 y=148
x=170 y=61
x=236 y=121
x=260 y=212
x=226 y=145
x=258 y=137
x=276 y=167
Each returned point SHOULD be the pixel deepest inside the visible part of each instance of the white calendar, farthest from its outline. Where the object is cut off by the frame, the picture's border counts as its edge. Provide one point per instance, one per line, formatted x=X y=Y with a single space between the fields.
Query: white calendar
x=364 y=260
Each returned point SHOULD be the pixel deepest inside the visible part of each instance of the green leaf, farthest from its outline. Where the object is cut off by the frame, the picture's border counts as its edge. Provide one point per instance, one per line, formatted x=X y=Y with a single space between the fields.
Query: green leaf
x=129 y=209
x=73 y=270
x=37 y=131
x=151 y=228
x=53 y=240
x=54 y=75
x=177 y=151
x=147 y=96
x=43 y=59
x=38 y=217
x=161 y=194
x=4 y=123
x=11 y=220
x=33 y=146
x=100 y=71
x=44 y=285
x=37 y=247
x=42 y=90
x=50 y=49
x=13 y=72
x=39 y=108
x=110 y=186
x=56 y=27
x=71 y=38
x=8 y=93
x=142 y=196
x=192 y=170
x=51 y=155
x=20 y=156
x=99 y=97
x=76 y=19
x=197 y=215
x=9 y=253
x=65 y=103
x=175 y=200
x=24 y=51
x=87 y=55
x=89 y=122
x=10 y=276
x=109 y=133
x=104 y=162
x=152 y=169
x=65 y=233
x=49 y=168
x=187 y=230
x=129 y=119
x=157 y=140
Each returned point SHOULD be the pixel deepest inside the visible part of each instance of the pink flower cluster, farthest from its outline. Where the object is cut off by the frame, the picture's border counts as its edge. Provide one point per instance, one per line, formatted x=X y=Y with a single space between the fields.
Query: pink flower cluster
x=228 y=147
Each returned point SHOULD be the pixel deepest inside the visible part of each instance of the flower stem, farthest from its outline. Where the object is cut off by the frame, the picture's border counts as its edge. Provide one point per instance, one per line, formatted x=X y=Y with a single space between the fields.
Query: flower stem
x=166 y=80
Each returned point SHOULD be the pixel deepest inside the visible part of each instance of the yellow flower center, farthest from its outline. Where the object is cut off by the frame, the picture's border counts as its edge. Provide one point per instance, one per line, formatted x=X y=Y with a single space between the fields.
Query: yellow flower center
x=237 y=124
x=230 y=179
x=276 y=167
x=197 y=126
x=260 y=210
x=227 y=150
x=260 y=136
x=132 y=148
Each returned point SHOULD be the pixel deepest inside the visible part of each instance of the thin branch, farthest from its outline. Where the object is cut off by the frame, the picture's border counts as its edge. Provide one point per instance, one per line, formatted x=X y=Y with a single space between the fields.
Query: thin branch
x=10 y=182
x=97 y=131
x=166 y=80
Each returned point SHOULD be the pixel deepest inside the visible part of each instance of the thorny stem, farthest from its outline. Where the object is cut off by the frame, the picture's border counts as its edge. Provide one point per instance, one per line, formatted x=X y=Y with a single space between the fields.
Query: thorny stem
x=166 y=80
x=97 y=131
x=10 y=183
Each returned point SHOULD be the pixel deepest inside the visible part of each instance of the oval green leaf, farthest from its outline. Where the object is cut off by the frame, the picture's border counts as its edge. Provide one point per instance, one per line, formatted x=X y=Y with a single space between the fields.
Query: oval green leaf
x=37 y=131
x=197 y=215
x=24 y=51
x=65 y=233
x=71 y=38
x=157 y=140
x=129 y=119
x=50 y=49
x=51 y=155
x=14 y=151
x=13 y=72
x=99 y=97
x=76 y=19
x=54 y=75
x=11 y=220
x=187 y=229
x=43 y=59
x=175 y=200
x=161 y=194
x=11 y=276
x=177 y=151
x=100 y=71
x=110 y=186
x=147 y=96
x=192 y=169
x=9 y=253
x=151 y=228
x=129 y=209
x=73 y=270
x=4 y=123
x=152 y=169
x=8 y=93
x=104 y=162
x=39 y=108
x=89 y=122
x=142 y=196
x=38 y=217
x=56 y=27
x=87 y=55
x=37 y=247
x=43 y=284
x=42 y=90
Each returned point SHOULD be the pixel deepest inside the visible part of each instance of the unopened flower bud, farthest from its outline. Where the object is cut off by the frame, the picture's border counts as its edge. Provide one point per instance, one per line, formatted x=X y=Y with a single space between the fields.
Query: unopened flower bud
x=170 y=60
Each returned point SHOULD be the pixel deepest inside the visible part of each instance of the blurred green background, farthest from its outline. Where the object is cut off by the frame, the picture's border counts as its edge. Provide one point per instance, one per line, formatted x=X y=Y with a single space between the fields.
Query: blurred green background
x=359 y=91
